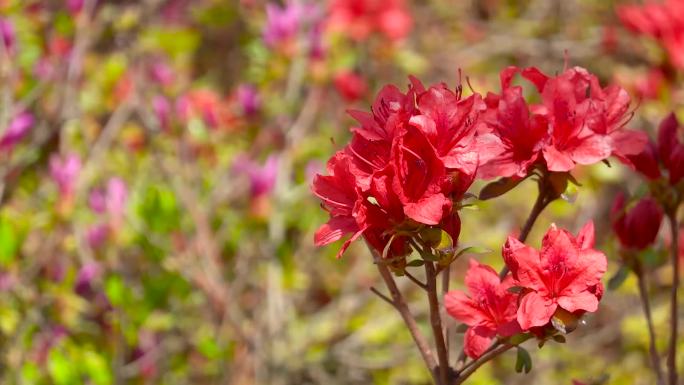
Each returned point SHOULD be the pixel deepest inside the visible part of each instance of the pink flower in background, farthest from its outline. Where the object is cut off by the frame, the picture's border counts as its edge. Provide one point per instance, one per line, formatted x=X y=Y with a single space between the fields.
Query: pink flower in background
x=161 y=73
x=360 y=18
x=97 y=234
x=350 y=85
x=64 y=172
x=75 y=6
x=7 y=34
x=162 y=109
x=248 y=99
x=261 y=178
x=88 y=273
x=204 y=104
x=117 y=196
x=17 y=129
x=284 y=24
x=111 y=201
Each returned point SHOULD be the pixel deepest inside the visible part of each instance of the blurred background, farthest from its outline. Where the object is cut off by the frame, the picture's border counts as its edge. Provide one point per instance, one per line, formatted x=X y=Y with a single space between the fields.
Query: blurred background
x=156 y=224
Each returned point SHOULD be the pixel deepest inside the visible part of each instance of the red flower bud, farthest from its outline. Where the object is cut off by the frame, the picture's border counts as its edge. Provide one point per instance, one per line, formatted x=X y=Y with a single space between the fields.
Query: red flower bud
x=636 y=226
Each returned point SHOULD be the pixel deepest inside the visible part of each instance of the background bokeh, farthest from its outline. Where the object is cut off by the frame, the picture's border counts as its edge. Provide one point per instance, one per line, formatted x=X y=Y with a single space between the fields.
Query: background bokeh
x=157 y=224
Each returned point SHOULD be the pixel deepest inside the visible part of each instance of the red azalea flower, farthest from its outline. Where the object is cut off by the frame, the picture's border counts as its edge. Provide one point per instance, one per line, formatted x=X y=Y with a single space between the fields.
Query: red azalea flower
x=637 y=226
x=585 y=120
x=360 y=18
x=418 y=177
x=646 y=162
x=351 y=86
x=488 y=309
x=663 y=21
x=391 y=110
x=671 y=148
x=565 y=274
x=522 y=133
x=450 y=123
x=339 y=194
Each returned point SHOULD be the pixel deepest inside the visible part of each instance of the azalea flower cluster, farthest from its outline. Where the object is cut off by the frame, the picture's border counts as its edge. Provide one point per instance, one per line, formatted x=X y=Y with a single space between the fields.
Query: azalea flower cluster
x=546 y=292
x=663 y=21
x=414 y=156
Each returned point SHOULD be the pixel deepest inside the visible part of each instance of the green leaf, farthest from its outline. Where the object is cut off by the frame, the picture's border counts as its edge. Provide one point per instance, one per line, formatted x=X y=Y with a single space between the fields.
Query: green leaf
x=559 y=338
x=474 y=250
x=462 y=328
x=519 y=338
x=523 y=362
x=515 y=289
x=9 y=242
x=416 y=263
x=62 y=370
x=618 y=278
x=498 y=188
x=96 y=368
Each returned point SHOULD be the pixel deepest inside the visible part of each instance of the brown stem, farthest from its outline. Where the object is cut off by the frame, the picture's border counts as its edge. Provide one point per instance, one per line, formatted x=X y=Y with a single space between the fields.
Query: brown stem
x=474 y=365
x=436 y=322
x=409 y=320
x=445 y=289
x=672 y=351
x=415 y=280
x=539 y=205
x=653 y=351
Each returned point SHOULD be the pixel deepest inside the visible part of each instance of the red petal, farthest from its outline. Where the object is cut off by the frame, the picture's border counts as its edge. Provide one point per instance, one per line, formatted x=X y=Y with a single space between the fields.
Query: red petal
x=586 y=236
x=429 y=210
x=462 y=308
x=524 y=263
x=556 y=161
x=477 y=340
x=581 y=301
x=334 y=230
x=535 y=310
x=481 y=278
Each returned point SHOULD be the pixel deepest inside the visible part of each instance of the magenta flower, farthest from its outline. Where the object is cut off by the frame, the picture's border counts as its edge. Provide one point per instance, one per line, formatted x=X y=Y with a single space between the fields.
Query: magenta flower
x=97 y=234
x=248 y=98
x=17 y=129
x=64 y=172
x=262 y=178
x=85 y=277
x=162 y=109
x=283 y=24
x=8 y=35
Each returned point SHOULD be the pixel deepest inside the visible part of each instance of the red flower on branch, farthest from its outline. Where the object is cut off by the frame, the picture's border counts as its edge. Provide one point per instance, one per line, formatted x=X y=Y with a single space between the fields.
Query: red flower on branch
x=339 y=195
x=667 y=155
x=663 y=21
x=489 y=308
x=577 y=122
x=360 y=18
x=565 y=274
x=636 y=226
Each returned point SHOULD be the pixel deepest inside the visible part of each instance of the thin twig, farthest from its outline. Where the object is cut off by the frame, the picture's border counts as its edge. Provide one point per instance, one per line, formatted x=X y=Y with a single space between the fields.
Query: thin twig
x=445 y=288
x=405 y=312
x=653 y=351
x=474 y=365
x=415 y=280
x=436 y=322
x=382 y=296
x=537 y=209
x=672 y=351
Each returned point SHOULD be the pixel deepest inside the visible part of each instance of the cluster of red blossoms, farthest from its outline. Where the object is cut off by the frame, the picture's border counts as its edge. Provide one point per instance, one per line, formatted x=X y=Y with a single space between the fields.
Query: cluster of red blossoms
x=555 y=286
x=661 y=163
x=415 y=154
x=663 y=21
